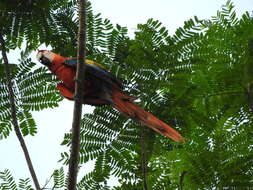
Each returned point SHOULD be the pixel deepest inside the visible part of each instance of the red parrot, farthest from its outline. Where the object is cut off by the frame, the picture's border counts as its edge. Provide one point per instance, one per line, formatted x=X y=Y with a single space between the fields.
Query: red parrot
x=101 y=88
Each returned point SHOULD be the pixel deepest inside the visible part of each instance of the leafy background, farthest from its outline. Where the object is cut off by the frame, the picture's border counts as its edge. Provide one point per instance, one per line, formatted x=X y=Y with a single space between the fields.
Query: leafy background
x=201 y=77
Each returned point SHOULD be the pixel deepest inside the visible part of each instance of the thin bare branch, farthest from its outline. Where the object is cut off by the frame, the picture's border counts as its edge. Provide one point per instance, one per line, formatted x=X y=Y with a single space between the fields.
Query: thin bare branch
x=79 y=88
x=14 y=114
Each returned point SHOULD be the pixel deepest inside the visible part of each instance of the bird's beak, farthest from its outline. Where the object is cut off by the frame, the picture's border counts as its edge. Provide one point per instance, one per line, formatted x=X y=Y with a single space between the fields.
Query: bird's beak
x=44 y=60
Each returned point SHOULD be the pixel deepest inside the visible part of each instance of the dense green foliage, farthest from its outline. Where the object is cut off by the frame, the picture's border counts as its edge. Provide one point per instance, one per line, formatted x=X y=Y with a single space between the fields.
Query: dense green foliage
x=32 y=92
x=199 y=81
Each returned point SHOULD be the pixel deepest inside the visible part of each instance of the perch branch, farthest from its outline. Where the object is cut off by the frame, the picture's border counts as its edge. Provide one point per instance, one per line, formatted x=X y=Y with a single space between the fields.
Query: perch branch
x=79 y=88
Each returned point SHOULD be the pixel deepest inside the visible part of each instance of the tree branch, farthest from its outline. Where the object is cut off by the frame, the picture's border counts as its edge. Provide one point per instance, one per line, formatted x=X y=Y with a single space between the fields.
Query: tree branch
x=79 y=88
x=14 y=114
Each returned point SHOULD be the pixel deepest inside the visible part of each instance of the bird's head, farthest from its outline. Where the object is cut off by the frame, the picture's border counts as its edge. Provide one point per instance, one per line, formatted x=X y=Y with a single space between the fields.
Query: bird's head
x=45 y=57
x=50 y=59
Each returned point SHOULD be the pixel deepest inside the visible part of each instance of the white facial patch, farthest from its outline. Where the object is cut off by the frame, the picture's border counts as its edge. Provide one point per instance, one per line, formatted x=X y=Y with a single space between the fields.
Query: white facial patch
x=48 y=54
x=38 y=56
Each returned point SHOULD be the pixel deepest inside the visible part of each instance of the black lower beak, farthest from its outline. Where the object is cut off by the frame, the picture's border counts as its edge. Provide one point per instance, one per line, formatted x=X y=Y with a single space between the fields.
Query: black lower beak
x=45 y=61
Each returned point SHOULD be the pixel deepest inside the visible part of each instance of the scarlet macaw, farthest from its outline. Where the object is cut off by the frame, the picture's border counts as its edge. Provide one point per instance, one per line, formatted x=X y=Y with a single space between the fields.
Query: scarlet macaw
x=101 y=88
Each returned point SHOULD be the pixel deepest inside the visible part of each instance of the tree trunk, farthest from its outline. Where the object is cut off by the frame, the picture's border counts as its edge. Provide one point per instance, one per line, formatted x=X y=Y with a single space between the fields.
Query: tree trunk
x=79 y=88
x=14 y=114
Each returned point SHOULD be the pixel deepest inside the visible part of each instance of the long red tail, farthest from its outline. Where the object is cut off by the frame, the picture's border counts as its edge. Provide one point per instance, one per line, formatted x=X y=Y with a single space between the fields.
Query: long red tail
x=124 y=104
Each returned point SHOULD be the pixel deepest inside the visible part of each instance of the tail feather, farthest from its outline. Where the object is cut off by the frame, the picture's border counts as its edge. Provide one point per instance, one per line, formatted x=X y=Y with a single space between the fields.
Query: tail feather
x=124 y=104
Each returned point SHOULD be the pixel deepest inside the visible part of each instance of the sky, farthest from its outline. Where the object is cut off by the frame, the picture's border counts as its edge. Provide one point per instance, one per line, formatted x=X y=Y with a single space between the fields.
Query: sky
x=45 y=147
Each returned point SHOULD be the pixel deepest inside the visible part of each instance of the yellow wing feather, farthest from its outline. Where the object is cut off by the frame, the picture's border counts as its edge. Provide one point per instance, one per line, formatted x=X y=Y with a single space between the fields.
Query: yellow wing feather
x=88 y=61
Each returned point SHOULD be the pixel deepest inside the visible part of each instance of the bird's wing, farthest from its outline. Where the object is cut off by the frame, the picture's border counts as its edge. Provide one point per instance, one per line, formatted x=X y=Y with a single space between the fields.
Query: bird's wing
x=94 y=69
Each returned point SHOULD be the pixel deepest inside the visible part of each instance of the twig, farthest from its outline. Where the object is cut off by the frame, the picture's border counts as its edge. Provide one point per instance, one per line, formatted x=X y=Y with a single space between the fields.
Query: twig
x=79 y=88
x=47 y=182
x=14 y=114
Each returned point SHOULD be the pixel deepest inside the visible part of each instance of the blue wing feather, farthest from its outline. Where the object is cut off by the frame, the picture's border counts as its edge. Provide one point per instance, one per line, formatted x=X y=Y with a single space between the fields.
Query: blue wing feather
x=97 y=72
x=71 y=62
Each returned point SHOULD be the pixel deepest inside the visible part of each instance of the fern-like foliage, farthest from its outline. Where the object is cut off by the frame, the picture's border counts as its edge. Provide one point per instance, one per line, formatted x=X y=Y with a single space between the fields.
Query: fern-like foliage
x=32 y=91
x=35 y=22
x=24 y=184
x=7 y=182
x=217 y=105
x=59 y=179
x=110 y=148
